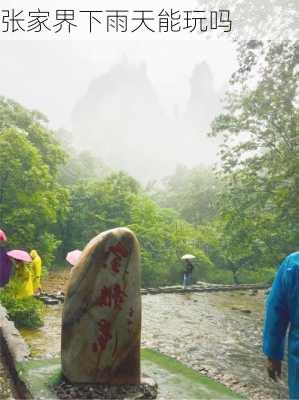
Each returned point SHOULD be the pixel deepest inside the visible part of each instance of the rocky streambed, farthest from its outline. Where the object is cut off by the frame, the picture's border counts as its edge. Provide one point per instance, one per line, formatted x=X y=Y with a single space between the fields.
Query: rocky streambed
x=217 y=334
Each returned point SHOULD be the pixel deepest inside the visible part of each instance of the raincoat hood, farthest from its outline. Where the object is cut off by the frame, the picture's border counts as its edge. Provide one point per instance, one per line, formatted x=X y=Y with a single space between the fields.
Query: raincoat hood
x=33 y=253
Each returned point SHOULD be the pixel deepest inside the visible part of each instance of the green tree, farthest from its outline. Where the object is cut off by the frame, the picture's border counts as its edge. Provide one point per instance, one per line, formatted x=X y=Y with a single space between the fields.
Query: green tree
x=192 y=193
x=31 y=201
x=119 y=200
x=29 y=196
x=259 y=206
x=82 y=167
x=33 y=125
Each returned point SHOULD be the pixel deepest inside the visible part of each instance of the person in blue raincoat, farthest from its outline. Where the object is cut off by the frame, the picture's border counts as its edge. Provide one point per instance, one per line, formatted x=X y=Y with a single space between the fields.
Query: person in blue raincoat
x=282 y=311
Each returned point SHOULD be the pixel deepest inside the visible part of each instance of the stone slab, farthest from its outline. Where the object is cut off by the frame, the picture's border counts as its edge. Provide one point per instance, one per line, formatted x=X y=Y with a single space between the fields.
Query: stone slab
x=101 y=324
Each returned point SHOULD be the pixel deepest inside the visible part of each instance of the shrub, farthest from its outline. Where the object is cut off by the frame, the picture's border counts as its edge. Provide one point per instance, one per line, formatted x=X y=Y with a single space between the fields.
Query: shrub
x=26 y=313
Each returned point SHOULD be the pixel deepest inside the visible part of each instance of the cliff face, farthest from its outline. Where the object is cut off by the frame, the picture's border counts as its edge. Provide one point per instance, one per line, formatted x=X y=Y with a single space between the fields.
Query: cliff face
x=202 y=107
x=203 y=102
x=120 y=119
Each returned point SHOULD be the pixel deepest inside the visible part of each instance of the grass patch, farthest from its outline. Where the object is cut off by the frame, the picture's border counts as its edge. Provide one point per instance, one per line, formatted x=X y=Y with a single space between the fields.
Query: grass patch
x=187 y=374
x=175 y=380
x=40 y=376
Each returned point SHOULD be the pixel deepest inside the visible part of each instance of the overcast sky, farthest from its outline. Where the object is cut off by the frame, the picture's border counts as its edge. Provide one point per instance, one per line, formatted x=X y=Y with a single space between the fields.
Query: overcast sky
x=51 y=76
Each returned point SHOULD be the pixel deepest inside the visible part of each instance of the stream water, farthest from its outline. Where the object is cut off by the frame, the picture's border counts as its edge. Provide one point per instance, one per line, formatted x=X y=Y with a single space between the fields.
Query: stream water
x=217 y=334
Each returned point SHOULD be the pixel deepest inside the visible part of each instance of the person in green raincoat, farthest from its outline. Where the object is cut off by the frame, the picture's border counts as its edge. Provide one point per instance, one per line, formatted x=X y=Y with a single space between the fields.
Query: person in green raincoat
x=36 y=270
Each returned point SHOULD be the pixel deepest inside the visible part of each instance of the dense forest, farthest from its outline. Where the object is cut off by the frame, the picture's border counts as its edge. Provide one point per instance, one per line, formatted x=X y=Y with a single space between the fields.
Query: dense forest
x=239 y=220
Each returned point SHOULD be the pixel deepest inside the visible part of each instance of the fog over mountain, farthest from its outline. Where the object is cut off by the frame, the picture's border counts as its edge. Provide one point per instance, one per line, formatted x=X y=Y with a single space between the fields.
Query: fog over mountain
x=143 y=106
x=129 y=129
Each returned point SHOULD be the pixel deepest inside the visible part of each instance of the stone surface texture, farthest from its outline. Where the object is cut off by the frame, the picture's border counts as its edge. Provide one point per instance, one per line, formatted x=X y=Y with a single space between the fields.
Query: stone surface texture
x=13 y=349
x=11 y=337
x=101 y=323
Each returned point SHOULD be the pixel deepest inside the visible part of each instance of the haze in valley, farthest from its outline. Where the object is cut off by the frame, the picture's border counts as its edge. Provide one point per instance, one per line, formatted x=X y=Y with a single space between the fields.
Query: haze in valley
x=143 y=107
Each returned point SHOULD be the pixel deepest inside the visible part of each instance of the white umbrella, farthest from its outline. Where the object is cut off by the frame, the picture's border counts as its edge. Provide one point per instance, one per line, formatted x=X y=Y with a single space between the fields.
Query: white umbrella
x=188 y=257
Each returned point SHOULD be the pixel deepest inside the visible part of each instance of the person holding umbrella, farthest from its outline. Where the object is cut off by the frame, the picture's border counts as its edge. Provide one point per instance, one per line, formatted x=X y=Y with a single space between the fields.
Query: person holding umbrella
x=21 y=282
x=188 y=269
x=5 y=262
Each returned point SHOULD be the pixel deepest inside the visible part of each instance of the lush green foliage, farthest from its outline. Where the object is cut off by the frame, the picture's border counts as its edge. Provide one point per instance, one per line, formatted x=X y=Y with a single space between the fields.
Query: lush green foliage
x=26 y=313
x=247 y=214
x=80 y=167
x=239 y=222
x=259 y=206
x=33 y=125
x=55 y=205
x=119 y=201
x=192 y=193
x=30 y=198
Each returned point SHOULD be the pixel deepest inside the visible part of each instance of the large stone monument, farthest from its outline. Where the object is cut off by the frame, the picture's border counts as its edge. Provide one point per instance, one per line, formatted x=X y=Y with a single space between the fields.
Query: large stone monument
x=101 y=322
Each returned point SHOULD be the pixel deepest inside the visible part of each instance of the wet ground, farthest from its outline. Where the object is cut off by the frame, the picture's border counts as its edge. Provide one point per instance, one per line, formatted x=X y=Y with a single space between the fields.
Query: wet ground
x=218 y=334
x=166 y=379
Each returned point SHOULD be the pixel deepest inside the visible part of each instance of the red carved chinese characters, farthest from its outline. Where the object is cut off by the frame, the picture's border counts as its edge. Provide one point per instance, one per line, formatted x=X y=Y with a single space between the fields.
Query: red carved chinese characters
x=118 y=296
x=104 y=336
x=115 y=264
x=105 y=298
x=119 y=252
x=111 y=297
